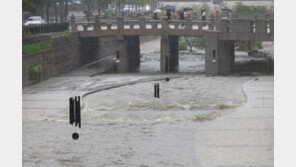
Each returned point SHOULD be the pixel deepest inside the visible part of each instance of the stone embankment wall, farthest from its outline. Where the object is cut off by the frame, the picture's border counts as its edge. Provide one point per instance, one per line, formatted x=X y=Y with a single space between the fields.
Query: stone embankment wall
x=68 y=53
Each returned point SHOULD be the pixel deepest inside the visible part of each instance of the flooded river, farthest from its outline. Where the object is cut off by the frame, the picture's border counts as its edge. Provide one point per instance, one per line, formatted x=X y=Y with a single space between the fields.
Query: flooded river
x=127 y=126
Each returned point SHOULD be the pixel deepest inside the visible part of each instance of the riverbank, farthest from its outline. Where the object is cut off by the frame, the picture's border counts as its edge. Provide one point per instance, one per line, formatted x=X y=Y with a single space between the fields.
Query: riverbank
x=245 y=137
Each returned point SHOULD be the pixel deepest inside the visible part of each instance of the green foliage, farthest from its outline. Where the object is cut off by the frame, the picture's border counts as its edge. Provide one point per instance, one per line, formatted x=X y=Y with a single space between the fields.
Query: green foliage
x=240 y=8
x=244 y=45
x=31 y=5
x=103 y=3
x=36 y=47
x=195 y=7
x=256 y=45
x=199 y=43
x=63 y=34
x=27 y=35
x=205 y=6
x=35 y=73
x=182 y=46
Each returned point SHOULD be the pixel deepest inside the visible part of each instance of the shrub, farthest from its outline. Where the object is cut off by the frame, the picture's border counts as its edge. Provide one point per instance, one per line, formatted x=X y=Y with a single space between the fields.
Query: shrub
x=36 y=47
x=182 y=46
x=62 y=34
x=240 y=8
x=244 y=46
x=27 y=34
x=200 y=43
x=35 y=73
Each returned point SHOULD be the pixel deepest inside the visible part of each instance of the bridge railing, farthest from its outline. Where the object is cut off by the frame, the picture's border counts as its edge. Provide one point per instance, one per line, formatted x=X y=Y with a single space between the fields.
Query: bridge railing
x=237 y=25
x=253 y=25
x=188 y=24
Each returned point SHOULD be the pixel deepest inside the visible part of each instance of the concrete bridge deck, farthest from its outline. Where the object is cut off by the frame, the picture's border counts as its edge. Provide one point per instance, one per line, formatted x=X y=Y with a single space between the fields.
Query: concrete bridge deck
x=220 y=34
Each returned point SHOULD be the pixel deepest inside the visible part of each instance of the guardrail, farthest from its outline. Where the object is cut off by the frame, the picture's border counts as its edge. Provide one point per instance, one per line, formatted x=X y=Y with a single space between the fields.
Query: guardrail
x=46 y=28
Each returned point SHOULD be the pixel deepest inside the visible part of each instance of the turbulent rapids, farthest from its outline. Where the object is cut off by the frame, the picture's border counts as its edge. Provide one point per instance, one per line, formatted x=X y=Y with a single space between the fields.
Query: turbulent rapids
x=182 y=99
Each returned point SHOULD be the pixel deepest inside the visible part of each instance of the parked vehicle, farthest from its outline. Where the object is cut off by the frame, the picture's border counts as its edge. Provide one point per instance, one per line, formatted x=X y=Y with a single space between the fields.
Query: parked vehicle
x=34 y=20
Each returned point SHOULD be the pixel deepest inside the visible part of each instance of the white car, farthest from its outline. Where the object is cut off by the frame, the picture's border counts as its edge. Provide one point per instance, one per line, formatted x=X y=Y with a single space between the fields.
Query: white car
x=34 y=20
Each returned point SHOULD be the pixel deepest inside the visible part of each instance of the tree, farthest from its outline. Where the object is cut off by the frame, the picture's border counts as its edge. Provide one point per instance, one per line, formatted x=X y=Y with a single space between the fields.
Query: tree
x=240 y=8
x=197 y=42
x=103 y=4
x=32 y=5
x=205 y=6
x=48 y=4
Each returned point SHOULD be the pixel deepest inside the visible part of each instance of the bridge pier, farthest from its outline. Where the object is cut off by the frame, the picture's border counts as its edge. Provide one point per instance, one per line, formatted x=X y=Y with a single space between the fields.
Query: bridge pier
x=122 y=66
x=129 y=54
x=219 y=55
x=169 y=54
x=174 y=53
x=232 y=54
x=133 y=52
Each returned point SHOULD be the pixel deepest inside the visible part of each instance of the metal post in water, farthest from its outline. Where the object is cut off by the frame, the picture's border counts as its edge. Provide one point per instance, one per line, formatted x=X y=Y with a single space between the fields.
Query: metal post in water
x=158 y=90
x=75 y=110
x=78 y=119
x=155 y=94
x=71 y=111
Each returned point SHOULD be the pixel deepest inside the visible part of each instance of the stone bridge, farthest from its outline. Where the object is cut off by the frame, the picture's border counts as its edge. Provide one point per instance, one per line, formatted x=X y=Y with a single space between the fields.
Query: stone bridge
x=220 y=34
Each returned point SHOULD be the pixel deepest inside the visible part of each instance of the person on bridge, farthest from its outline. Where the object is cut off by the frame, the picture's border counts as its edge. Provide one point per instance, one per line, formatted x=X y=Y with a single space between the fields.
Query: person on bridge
x=203 y=16
x=169 y=15
x=181 y=16
x=155 y=17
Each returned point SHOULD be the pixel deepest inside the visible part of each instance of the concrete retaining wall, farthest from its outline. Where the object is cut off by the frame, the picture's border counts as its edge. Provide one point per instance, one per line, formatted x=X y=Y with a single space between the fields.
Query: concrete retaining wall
x=68 y=53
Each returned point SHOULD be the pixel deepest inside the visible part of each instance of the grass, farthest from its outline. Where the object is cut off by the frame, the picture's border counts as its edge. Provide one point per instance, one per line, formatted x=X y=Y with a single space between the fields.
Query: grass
x=34 y=48
x=62 y=34
x=35 y=73
x=27 y=35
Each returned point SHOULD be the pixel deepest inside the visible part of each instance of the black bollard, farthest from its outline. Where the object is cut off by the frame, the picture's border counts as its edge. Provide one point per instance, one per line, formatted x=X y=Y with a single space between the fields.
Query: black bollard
x=77 y=106
x=155 y=94
x=71 y=111
x=157 y=88
x=75 y=100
